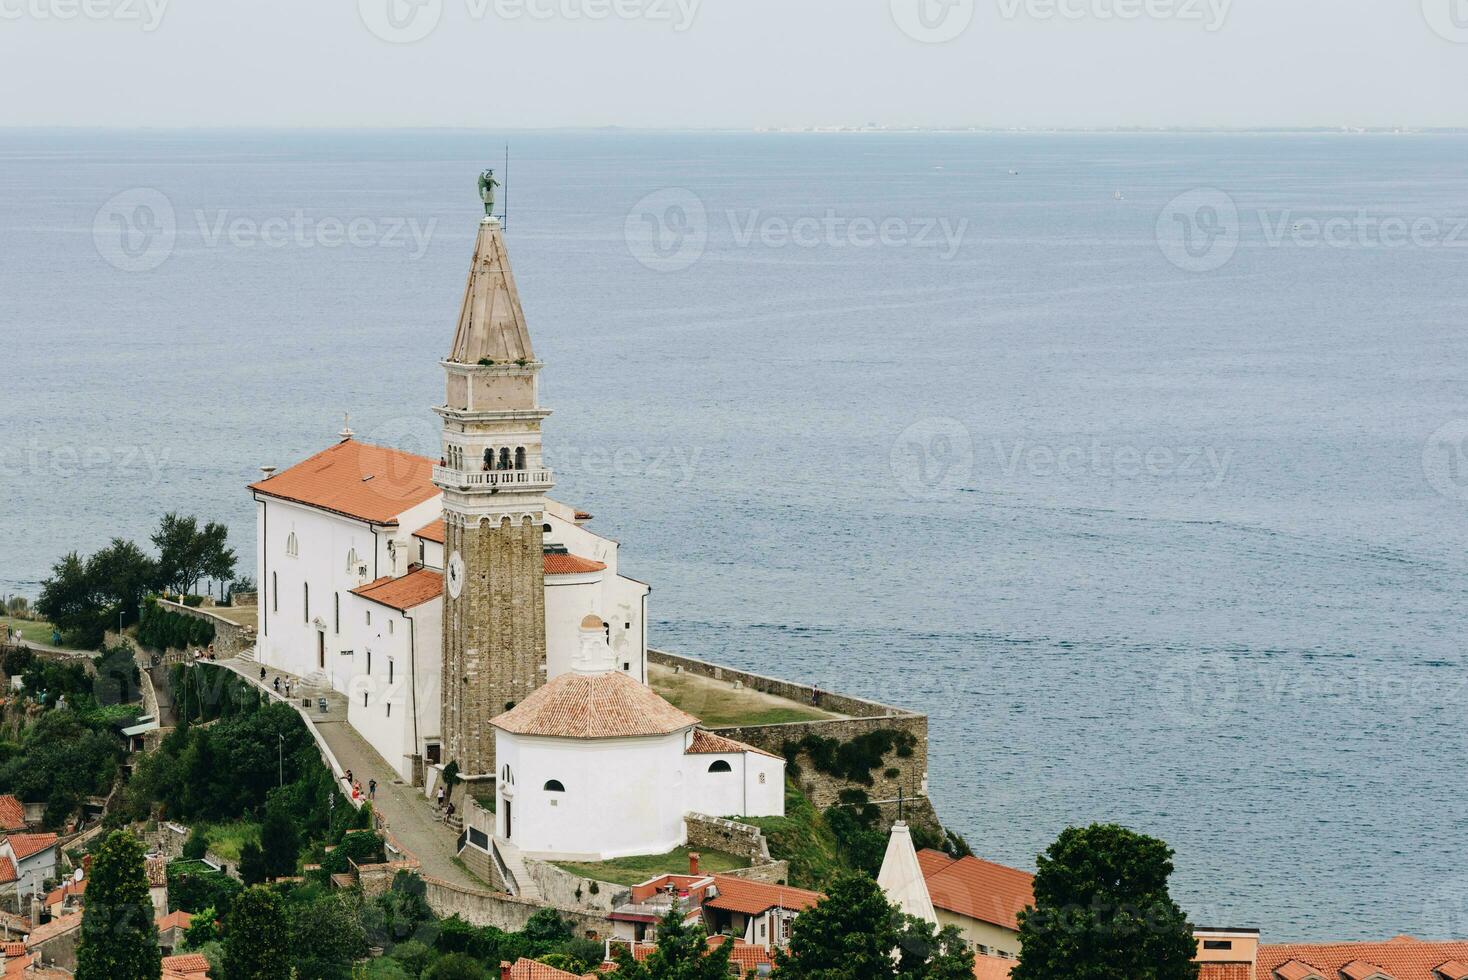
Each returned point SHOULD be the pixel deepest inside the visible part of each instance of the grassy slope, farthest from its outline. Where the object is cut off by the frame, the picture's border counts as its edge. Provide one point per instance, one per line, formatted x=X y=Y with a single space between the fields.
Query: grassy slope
x=802 y=838
x=636 y=870
x=719 y=706
x=227 y=839
x=34 y=630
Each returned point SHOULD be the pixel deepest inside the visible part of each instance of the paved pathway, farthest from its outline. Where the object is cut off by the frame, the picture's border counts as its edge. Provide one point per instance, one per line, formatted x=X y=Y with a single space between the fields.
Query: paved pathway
x=411 y=818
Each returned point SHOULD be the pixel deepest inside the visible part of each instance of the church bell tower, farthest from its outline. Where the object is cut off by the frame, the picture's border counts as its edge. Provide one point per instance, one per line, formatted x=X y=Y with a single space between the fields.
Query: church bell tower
x=494 y=484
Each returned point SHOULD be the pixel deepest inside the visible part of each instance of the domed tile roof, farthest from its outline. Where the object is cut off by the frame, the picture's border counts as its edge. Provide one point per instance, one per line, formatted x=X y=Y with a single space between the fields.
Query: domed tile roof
x=605 y=705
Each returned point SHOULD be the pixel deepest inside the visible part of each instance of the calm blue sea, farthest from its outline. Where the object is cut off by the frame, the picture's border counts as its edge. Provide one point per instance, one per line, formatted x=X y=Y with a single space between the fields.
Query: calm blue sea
x=1136 y=461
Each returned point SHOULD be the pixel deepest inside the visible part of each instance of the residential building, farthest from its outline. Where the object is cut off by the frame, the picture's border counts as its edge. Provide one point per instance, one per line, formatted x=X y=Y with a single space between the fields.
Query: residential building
x=27 y=862
x=981 y=898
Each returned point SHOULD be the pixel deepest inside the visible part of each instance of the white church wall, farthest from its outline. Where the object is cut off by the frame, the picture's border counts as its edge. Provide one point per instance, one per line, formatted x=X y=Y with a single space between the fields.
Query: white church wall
x=377 y=682
x=568 y=600
x=754 y=786
x=621 y=797
x=305 y=547
x=623 y=606
x=398 y=549
x=425 y=652
x=764 y=790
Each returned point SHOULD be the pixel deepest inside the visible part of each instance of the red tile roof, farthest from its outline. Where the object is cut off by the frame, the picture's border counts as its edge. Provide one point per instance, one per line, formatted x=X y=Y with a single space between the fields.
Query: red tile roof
x=992 y=967
x=977 y=889
x=555 y=564
x=405 y=591
x=174 y=920
x=185 y=963
x=358 y=479
x=1402 y=958
x=432 y=531
x=7 y=871
x=1453 y=970
x=50 y=930
x=25 y=845
x=1225 y=971
x=68 y=888
x=525 y=969
x=754 y=897
x=610 y=705
x=745 y=957
x=12 y=814
x=707 y=743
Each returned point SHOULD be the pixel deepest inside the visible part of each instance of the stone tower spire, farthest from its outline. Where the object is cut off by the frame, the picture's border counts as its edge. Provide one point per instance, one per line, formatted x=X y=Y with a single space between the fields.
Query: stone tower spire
x=494 y=484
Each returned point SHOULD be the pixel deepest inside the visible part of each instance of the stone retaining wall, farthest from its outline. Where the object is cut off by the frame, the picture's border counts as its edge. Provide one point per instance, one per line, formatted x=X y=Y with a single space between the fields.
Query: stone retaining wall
x=842 y=704
x=484 y=908
x=229 y=637
x=561 y=888
x=729 y=836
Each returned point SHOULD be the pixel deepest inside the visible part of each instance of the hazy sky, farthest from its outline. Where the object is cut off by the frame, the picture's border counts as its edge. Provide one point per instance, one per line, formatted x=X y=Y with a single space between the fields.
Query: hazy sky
x=734 y=63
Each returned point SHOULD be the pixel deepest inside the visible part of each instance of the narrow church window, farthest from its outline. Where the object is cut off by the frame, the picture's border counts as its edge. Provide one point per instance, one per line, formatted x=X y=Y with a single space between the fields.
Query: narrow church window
x=369 y=663
x=389 y=709
x=390 y=670
x=274 y=592
x=554 y=786
x=364 y=699
x=336 y=612
x=504 y=457
x=389 y=626
x=292 y=546
x=520 y=458
x=489 y=459
x=352 y=561
x=720 y=766
x=306 y=599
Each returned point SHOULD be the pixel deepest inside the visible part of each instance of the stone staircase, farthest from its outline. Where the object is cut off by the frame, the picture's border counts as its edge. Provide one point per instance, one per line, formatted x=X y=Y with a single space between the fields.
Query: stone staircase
x=512 y=866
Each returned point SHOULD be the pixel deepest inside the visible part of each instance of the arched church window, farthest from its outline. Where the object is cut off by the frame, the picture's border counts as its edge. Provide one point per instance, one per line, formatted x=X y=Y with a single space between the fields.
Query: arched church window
x=554 y=786
x=352 y=561
x=489 y=459
x=506 y=776
x=504 y=457
x=721 y=766
x=292 y=546
x=520 y=457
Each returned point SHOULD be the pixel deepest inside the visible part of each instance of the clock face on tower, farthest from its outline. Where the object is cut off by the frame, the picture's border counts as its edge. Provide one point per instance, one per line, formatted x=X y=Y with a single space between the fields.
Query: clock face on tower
x=455 y=576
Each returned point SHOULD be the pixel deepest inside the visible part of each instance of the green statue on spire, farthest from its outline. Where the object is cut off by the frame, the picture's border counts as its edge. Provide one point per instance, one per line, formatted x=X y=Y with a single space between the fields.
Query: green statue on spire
x=487 y=184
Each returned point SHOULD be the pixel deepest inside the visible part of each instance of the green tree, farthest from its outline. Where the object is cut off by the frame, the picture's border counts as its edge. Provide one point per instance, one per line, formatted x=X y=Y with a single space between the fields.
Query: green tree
x=279 y=839
x=187 y=553
x=326 y=935
x=252 y=863
x=682 y=953
x=255 y=938
x=118 y=935
x=458 y=966
x=70 y=599
x=122 y=574
x=1103 y=912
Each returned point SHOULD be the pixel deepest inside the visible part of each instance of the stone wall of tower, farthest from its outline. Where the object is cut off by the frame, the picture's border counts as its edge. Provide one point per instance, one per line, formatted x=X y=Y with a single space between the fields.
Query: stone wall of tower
x=494 y=633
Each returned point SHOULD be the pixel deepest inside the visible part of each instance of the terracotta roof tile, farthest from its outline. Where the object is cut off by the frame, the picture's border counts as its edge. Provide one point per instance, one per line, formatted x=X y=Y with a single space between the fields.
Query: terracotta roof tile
x=745 y=957
x=358 y=479
x=7 y=871
x=1452 y=970
x=977 y=889
x=992 y=967
x=14 y=949
x=1361 y=970
x=156 y=868
x=1403 y=958
x=558 y=564
x=186 y=963
x=25 y=845
x=19 y=966
x=707 y=743
x=754 y=897
x=1225 y=971
x=12 y=814
x=526 y=969
x=609 y=705
x=68 y=888
x=405 y=591
x=174 y=920
x=432 y=531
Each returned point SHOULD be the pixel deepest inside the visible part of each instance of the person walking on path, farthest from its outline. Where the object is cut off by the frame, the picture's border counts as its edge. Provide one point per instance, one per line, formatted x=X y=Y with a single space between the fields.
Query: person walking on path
x=277 y=684
x=371 y=789
x=262 y=675
x=439 y=805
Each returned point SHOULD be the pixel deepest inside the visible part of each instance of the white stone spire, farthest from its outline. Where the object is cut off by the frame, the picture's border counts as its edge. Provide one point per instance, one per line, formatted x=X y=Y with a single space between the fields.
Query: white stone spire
x=594 y=656
x=902 y=879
